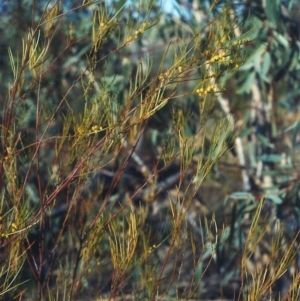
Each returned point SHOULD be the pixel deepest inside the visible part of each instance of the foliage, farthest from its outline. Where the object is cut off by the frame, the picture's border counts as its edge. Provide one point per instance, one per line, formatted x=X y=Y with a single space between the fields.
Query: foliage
x=110 y=143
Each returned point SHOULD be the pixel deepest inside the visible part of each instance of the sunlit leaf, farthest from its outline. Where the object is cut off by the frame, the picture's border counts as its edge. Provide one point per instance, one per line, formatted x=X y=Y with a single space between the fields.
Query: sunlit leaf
x=274 y=199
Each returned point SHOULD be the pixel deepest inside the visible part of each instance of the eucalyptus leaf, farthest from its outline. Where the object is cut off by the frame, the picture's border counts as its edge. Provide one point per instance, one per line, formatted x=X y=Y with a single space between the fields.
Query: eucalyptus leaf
x=295 y=61
x=246 y=86
x=255 y=59
x=241 y=195
x=245 y=132
x=273 y=11
x=264 y=140
x=266 y=63
x=273 y=158
x=291 y=127
x=263 y=77
x=282 y=40
x=296 y=133
x=275 y=199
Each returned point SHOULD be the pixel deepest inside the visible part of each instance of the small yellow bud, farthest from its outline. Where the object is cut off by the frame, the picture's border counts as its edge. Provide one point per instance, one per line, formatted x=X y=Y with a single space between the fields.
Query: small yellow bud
x=4 y=235
x=129 y=39
x=13 y=227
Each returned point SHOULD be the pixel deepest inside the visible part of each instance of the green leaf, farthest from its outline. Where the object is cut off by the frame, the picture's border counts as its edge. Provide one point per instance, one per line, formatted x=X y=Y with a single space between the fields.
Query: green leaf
x=274 y=199
x=273 y=158
x=273 y=11
x=255 y=59
x=245 y=132
x=266 y=63
x=283 y=41
x=264 y=140
x=246 y=86
x=241 y=196
x=296 y=133
x=294 y=63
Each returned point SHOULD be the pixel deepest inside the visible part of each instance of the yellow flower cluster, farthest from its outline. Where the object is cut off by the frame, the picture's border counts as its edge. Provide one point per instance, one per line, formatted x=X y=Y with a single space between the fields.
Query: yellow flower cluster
x=137 y=33
x=218 y=58
x=80 y=130
x=201 y=91
x=103 y=28
x=169 y=72
x=96 y=128
x=129 y=39
x=151 y=249
x=164 y=75
x=4 y=235
x=13 y=229
x=241 y=42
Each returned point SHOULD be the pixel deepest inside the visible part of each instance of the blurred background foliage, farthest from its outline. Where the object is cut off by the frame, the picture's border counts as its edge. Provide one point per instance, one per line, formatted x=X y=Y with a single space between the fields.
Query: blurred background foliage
x=258 y=95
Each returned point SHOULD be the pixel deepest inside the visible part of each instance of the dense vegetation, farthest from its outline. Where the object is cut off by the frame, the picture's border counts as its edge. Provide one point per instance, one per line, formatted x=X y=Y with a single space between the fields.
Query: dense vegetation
x=147 y=155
